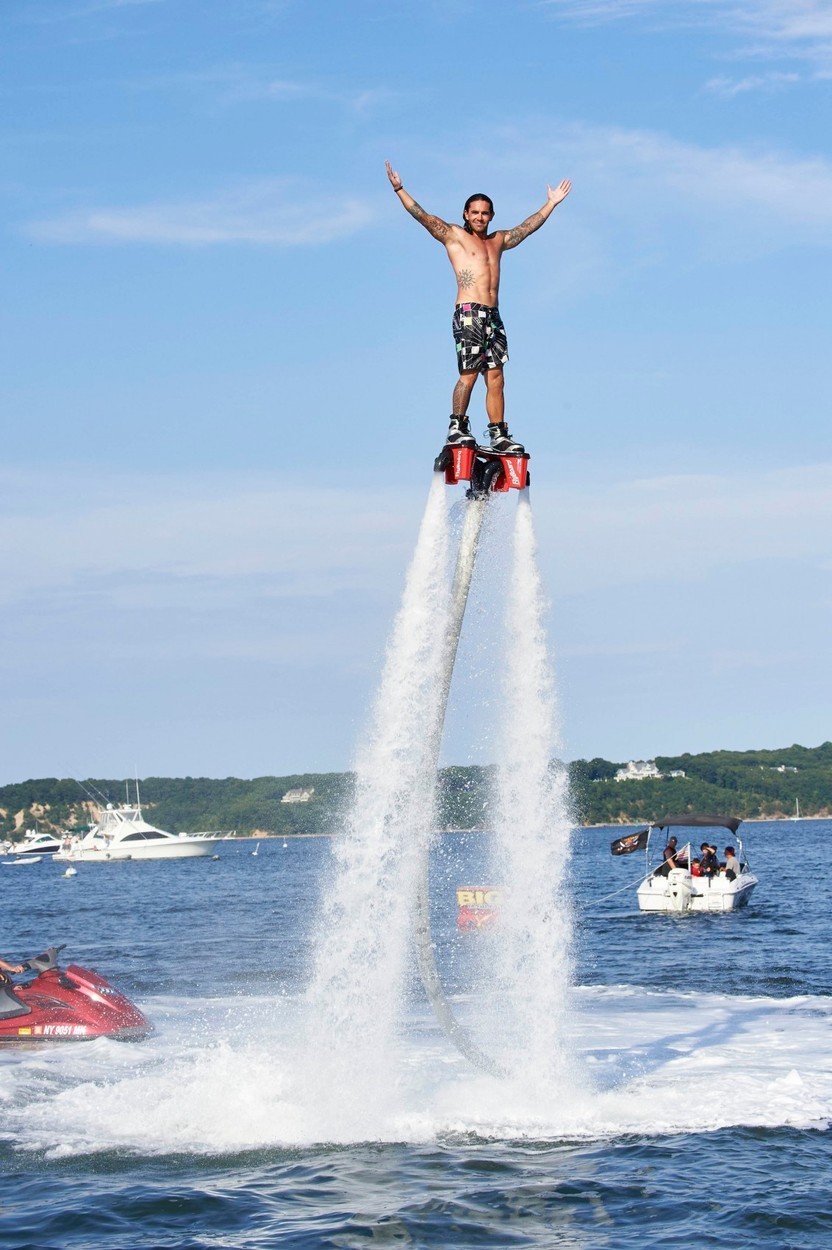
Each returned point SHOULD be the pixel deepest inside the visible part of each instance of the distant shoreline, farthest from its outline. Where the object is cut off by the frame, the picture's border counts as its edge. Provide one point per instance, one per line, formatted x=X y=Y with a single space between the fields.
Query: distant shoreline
x=768 y=785
x=624 y=824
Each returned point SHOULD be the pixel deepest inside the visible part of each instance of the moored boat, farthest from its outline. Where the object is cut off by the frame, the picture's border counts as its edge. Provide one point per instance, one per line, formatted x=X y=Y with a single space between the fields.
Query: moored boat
x=35 y=843
x=122 y=833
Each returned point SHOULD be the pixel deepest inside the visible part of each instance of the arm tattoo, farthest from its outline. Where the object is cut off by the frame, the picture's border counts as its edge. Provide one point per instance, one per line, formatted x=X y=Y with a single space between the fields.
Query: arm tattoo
x=433 y=224
x=521 y=232
x=465 y=278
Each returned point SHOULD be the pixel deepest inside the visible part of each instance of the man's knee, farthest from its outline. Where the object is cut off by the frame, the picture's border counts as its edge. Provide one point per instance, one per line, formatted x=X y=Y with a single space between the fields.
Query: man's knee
x=494 y=379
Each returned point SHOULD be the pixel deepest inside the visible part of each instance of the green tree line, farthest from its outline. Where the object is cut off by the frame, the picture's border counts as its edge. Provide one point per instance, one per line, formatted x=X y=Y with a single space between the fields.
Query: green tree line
x=737 y=783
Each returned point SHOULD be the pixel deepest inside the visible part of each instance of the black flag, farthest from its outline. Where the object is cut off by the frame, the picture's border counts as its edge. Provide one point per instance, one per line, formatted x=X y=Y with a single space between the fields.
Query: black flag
x=632 y=842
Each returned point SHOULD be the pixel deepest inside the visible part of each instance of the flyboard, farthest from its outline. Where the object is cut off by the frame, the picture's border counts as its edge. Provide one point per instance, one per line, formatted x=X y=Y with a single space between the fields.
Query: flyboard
x=485 y=472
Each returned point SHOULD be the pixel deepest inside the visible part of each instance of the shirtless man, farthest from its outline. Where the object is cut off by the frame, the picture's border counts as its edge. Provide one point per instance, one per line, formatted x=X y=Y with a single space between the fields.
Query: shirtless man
x=479 y=333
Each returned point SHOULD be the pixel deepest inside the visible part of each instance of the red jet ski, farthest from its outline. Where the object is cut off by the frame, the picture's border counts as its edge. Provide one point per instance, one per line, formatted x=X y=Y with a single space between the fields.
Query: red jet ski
x=69 y=1004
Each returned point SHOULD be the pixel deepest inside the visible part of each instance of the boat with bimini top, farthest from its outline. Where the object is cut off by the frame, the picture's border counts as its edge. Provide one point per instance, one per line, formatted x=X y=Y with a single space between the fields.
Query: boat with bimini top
x=687 y=879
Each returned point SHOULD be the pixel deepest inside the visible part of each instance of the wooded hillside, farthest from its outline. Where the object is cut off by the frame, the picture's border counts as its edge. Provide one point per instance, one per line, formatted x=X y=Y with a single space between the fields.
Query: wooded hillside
x=737 y=783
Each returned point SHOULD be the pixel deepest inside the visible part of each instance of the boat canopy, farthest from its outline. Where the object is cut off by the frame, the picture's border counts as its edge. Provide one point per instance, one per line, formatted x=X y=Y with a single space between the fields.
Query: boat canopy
x=691 y=821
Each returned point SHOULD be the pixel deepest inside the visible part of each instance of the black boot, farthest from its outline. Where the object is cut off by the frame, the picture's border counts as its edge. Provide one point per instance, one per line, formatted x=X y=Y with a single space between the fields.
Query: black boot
x=459 y=433
x=502 y=442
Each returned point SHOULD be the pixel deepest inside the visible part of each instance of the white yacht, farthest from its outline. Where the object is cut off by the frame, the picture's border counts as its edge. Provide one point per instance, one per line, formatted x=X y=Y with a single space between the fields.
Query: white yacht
x=35 y=843
x=684 y=888
x=122 y=833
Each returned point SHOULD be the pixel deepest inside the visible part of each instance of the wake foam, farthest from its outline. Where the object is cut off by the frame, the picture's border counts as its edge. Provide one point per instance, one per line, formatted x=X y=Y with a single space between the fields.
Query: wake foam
x=650 y=1064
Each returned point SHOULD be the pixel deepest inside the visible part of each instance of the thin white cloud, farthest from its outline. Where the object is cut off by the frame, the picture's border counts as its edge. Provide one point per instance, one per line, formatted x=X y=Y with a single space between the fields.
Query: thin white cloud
x=227 y=529
x=239 y=82
x=211 y=533
x=158 y=576
x=789 y=21
x=793 y=189
x=797 y=29
x=673 y=529
x=645 y=195
x=274 y=212
x=775 y=20
x=88 y=8
x=597 y=11
x=729 y=87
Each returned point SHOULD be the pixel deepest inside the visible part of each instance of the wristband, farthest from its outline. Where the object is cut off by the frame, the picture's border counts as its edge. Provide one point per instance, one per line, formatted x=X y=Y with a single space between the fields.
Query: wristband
x=398 y=189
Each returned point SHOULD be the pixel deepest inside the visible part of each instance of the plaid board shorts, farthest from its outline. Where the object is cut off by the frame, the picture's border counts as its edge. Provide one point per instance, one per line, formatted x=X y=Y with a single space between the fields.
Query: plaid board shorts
x=480 y=338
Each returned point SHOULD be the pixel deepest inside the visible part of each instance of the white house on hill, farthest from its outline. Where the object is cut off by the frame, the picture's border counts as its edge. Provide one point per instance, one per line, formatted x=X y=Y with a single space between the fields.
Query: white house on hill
x=298 y=796
x=638 y=770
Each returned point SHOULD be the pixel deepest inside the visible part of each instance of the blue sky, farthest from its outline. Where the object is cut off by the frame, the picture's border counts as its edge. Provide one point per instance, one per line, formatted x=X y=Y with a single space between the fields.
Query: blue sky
x=227 y=364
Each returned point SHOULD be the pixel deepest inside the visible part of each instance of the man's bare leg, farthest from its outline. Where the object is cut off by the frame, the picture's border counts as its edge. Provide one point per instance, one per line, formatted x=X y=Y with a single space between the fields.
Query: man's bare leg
x=495 y=404
x=462 y=394
x=501 y=440
x=459 y=431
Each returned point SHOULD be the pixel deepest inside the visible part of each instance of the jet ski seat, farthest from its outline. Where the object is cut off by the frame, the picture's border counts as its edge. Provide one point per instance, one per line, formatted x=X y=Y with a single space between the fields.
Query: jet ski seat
x=10 y=1004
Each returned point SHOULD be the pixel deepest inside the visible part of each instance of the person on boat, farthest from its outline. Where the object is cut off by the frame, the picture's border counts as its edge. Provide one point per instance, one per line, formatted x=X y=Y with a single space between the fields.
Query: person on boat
x=696 y=867
x=478 y=329
x=670 y=859
x=709 y=861
x=732 y=864
x=6 y=968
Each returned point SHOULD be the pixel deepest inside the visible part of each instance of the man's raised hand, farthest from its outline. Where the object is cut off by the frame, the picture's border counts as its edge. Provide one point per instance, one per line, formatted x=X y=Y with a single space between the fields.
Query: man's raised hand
x=395 y=180
x=560 y=192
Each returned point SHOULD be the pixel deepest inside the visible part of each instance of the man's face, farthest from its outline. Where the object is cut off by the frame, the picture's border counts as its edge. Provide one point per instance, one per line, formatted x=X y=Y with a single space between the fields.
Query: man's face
x=478 y=215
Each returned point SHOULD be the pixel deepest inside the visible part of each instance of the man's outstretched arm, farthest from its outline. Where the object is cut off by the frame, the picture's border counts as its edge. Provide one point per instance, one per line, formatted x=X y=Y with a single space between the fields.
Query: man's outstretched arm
x=434 y=225
x=555 y=194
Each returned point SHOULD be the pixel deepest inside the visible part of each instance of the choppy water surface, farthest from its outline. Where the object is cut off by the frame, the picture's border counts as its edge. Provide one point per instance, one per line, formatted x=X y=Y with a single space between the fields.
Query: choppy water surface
x=698 y=1114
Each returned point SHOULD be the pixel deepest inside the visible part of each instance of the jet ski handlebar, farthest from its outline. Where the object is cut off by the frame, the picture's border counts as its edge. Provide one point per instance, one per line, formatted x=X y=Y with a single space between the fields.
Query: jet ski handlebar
x=46 y=961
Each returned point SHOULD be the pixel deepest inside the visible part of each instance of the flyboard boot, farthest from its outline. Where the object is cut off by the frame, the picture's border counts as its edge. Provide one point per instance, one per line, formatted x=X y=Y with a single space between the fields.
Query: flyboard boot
x=459 y=433
x=502 y=444
x=456 y=459
x=500 y=466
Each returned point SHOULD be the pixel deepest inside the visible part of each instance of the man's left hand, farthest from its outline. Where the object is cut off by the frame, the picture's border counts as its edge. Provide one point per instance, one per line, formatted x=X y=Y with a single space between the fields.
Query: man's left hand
x=560 y=192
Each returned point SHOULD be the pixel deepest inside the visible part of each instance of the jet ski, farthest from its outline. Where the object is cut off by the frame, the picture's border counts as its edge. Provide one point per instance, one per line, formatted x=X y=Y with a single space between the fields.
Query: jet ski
x=66 y=1004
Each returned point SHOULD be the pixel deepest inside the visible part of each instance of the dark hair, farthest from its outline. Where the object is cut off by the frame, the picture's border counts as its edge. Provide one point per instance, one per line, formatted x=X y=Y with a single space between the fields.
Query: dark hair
x=729 y=850
x=470 y=201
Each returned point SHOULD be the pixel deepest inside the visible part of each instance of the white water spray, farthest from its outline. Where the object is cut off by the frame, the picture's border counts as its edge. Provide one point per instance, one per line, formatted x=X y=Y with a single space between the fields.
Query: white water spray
x=532 y=837
x=362 y=945
x=378 y=897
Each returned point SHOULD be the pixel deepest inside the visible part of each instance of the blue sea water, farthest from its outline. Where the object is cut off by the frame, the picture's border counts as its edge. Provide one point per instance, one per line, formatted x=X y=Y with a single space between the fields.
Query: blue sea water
x=701 y=1116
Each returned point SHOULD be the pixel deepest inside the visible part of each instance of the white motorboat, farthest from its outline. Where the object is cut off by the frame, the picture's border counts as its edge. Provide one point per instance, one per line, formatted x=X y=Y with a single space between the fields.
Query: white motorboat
x=122 y=833
x=682 y=885
x=35 y=843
